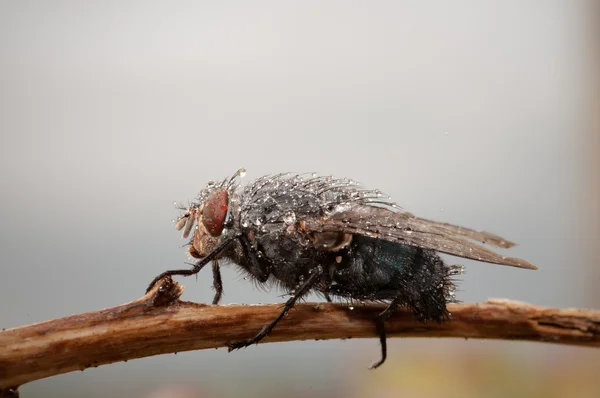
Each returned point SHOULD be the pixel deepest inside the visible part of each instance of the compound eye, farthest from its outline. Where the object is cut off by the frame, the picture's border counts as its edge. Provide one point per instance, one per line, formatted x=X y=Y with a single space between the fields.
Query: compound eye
x=215 y=211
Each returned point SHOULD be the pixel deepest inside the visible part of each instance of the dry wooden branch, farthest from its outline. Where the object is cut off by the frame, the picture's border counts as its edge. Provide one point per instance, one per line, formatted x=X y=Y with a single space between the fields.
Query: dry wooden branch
x=159 y=323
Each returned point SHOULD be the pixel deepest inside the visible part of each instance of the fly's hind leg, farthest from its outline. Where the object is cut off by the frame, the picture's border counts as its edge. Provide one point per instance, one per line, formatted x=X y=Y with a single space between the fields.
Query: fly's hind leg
x=380 y=328
x=301 y=291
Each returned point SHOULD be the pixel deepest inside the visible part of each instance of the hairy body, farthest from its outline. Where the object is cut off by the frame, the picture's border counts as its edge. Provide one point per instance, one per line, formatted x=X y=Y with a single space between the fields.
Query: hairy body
x=333 y=237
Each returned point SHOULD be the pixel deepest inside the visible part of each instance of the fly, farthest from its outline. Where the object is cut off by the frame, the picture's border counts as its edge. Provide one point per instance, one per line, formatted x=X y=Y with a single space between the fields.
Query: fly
x=333 y=237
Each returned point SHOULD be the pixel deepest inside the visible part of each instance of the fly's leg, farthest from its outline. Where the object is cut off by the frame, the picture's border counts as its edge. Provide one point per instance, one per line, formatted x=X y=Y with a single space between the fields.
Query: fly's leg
x=195 y=269
x=217 y=282
x=301 y=291
x=380 y=327
x=184 y=272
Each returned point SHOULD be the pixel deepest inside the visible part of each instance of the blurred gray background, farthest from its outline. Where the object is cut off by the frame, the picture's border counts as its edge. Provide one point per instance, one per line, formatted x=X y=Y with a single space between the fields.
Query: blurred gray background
x=471 y=112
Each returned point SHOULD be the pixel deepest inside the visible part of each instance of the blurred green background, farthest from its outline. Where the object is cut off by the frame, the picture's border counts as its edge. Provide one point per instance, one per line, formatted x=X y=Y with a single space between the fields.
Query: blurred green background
x=484 y=114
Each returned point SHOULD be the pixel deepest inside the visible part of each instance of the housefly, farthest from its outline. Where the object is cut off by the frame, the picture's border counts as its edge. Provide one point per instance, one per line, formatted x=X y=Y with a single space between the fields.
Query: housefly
x=331 y=236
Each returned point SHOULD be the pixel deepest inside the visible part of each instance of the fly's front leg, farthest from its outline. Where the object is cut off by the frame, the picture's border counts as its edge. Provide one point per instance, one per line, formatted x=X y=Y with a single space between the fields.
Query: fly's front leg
x=195 y=269
x=217 y=282
x=301 y=291
x=183 y=272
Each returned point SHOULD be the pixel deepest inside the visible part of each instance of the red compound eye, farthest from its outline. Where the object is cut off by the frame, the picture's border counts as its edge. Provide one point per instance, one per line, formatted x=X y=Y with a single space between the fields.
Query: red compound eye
x=215 y=211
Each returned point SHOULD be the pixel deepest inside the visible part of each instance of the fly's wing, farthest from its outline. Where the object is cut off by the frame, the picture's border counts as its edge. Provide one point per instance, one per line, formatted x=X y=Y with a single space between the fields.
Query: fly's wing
x=403 y=227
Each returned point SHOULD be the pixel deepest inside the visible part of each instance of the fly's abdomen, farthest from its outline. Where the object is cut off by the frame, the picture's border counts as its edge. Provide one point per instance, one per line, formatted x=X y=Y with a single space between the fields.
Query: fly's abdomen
x=374 y=269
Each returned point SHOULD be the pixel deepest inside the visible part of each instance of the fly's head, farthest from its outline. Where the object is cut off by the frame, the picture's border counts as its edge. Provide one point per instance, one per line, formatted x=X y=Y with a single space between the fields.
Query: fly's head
x=212 y=217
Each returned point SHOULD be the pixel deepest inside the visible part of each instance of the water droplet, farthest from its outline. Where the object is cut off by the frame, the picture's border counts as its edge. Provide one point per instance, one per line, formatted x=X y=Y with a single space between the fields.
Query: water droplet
x=241 y=172
x=351 y=308
x=313 y=174
x=289 y=217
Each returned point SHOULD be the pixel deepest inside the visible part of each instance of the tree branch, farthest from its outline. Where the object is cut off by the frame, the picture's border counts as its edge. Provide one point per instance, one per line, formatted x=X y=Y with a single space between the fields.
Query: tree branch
x=159 y=323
